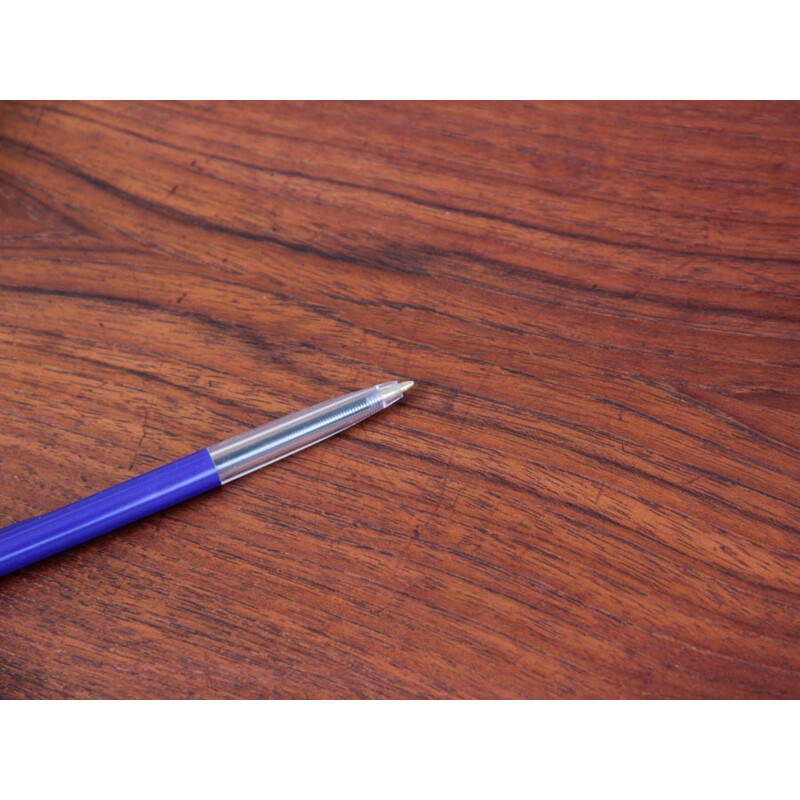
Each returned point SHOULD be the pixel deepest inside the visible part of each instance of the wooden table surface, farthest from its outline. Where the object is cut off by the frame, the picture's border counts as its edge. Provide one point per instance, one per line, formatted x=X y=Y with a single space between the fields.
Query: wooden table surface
x=591 y=492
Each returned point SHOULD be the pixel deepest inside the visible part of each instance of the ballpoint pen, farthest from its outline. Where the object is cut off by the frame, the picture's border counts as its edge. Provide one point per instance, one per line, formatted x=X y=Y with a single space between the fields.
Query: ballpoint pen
x=28 y=541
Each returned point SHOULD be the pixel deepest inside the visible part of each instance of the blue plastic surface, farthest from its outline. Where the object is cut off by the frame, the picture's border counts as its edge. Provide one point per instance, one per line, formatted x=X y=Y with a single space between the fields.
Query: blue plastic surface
x=33 y=539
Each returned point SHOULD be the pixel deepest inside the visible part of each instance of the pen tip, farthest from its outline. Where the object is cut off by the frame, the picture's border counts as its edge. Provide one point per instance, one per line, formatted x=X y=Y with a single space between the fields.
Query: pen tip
x=405 y=385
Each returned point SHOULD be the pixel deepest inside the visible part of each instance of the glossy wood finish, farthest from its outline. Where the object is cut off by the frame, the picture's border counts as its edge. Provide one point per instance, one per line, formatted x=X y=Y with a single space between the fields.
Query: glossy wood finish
x=591 y=492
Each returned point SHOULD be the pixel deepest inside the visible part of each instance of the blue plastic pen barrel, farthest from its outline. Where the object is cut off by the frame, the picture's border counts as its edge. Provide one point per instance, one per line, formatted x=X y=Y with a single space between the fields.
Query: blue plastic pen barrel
x=29 y=541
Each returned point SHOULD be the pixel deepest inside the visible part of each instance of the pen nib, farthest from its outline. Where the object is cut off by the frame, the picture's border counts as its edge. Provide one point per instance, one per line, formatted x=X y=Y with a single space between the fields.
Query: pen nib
x=404 y=386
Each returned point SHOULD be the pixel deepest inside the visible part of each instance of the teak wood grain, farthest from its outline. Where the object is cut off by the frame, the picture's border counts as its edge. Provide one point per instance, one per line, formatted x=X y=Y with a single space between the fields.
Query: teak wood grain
x=591 y=492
